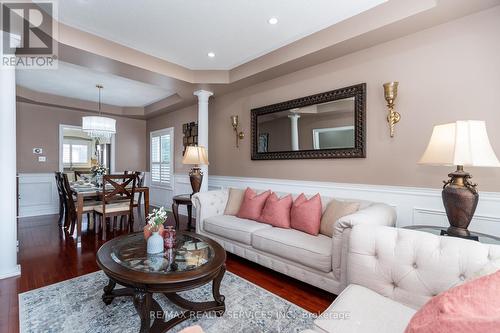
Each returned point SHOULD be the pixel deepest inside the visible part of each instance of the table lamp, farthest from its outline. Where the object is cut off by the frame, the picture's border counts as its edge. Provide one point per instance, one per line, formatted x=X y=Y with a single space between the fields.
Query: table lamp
x=463 y=143
x=196 y=155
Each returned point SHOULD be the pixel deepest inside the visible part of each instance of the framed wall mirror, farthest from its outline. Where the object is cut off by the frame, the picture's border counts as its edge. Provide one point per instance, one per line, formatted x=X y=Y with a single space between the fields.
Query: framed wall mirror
x=326 y=125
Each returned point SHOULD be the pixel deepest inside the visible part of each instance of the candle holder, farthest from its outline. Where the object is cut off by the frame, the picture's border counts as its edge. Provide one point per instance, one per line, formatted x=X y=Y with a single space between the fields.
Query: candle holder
x=390 y=93
x=169 y=236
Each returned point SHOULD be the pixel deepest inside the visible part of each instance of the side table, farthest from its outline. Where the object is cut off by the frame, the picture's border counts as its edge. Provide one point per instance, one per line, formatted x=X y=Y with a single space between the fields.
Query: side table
x=182 y=199
x=437 y=230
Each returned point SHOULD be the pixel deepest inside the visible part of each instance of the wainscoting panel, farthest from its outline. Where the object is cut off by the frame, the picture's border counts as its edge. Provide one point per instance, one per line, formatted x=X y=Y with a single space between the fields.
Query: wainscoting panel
x=38 y=194
x=413 y=205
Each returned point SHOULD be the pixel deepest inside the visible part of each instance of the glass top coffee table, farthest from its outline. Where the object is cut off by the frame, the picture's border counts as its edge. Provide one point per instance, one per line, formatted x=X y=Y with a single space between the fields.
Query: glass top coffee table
x=196 y=260
x=437 y=230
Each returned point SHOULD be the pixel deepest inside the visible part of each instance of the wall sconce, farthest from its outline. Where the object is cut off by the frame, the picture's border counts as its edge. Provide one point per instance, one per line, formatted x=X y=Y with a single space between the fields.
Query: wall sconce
x=390 y=93
x=239 y=135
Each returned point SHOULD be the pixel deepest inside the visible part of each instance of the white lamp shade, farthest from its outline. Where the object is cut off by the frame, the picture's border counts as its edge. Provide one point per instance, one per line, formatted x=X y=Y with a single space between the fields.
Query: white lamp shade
x=461 y=143
x=99 y=126
x=195 y=155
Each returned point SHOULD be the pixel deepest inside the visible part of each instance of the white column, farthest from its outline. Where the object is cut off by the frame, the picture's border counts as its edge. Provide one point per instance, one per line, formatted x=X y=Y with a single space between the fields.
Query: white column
x=8 y=223
x=294 y=126
x=203 y=96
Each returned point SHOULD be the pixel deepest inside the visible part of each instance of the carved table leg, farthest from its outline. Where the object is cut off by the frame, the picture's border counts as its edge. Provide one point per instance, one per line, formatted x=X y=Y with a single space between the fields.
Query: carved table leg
x=195 y=308
x=107 y=297
x=190 y=217
x=219 y=299
x=142 y=303
x=175 y=211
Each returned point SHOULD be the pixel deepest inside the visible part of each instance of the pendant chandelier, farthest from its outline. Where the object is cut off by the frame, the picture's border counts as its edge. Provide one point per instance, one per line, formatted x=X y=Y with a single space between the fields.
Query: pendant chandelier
x=98 y=126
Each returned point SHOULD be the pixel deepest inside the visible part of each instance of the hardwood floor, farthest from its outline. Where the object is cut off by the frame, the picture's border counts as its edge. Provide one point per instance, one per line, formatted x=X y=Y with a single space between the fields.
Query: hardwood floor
x=47 y=255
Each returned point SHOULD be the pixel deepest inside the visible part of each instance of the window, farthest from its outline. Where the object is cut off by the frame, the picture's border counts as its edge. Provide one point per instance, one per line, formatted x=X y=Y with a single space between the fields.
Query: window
x=76 y=153
x=162 y=160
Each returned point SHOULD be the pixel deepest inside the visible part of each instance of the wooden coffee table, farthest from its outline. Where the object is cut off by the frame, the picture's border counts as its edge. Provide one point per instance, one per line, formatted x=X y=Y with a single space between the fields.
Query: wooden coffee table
x=196 y=260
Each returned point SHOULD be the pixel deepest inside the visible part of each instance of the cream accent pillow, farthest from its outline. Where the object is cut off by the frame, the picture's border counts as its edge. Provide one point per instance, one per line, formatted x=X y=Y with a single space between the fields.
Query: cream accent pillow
x=234 y=201
x=334 y=211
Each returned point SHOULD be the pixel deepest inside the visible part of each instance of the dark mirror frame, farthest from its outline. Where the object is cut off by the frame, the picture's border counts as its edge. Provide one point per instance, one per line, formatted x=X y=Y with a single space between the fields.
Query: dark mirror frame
x=359 y=151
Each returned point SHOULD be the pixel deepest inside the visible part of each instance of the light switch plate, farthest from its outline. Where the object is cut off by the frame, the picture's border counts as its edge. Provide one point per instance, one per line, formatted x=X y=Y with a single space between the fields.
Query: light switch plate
x=42 y=159
x=38 y=151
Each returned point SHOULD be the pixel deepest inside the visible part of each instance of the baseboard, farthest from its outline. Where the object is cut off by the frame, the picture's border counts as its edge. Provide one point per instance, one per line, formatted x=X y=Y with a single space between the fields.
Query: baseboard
x=15 y=272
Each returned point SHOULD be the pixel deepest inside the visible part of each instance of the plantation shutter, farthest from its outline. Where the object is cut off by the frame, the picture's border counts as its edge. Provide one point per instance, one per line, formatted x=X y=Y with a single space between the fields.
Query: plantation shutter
x=162 y=158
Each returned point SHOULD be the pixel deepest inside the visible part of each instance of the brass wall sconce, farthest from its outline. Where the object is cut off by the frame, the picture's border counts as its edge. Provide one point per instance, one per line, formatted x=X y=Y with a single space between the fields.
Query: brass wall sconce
x=390 y=93
x=239 y=135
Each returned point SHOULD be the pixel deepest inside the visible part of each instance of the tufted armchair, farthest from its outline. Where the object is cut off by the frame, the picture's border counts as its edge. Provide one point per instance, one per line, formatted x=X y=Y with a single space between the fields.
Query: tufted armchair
x=392 y=272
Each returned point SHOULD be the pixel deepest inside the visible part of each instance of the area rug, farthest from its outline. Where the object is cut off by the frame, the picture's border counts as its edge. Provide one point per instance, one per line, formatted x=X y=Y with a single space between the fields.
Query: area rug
x=75 y=306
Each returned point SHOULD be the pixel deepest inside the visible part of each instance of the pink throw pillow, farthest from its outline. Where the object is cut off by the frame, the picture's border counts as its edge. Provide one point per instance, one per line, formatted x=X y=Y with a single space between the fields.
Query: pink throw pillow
x=276 y=211
x=252 y=204
x=192 y=329
x=306 y=214
x=471 y=307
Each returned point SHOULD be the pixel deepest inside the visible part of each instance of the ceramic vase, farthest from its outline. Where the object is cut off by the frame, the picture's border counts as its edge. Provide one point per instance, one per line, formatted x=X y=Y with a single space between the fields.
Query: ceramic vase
x=155 y=243
x=148 y=233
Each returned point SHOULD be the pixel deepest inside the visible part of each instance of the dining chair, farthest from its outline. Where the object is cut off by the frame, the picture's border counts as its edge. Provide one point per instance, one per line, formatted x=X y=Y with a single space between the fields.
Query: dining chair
x=82 y=174
x=71 y=212
x=117 y=200
x=60 y=192
x=139 y=183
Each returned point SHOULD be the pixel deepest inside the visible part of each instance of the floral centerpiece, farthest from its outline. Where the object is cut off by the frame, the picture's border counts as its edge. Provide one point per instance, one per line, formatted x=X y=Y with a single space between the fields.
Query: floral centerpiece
x=97 y=172
x=153 y=228
x=156 y=219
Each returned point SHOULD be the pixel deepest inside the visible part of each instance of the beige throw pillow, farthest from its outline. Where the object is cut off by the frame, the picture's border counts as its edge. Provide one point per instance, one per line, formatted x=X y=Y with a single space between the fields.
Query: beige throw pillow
x=234 y=201
x=334 y=211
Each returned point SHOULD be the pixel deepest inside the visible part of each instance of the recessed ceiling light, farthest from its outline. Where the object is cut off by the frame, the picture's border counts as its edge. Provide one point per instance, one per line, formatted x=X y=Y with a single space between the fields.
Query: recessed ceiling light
x=211 y=54
x=273 y=20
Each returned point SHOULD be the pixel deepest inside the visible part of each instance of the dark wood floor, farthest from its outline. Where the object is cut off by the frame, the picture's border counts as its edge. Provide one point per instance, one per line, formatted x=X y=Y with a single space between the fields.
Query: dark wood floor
x=47 y=255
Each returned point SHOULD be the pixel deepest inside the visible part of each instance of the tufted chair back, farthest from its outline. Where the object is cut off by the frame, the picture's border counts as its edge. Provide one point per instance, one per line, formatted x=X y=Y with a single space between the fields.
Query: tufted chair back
x=411 y=266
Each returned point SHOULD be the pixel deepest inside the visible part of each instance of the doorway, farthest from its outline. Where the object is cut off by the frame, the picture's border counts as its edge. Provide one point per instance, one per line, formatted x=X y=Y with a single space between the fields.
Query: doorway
x=78 y=152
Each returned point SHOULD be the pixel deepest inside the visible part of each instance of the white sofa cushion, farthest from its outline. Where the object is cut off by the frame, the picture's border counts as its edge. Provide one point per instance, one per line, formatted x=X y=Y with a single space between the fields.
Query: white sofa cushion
x=361 y=310
x=233 y=227
x=308 y=250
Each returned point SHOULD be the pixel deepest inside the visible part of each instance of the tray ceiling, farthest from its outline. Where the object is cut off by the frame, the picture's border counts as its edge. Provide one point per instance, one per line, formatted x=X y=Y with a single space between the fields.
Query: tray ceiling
x=185 y=31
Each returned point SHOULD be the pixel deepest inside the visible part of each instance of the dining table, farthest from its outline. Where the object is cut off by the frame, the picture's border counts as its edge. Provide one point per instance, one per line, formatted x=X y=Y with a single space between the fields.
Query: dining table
x=95 y=192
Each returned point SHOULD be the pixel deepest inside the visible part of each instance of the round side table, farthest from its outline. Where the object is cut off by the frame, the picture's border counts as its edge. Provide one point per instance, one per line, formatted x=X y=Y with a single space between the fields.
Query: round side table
x=182 y=199
x=477 y=236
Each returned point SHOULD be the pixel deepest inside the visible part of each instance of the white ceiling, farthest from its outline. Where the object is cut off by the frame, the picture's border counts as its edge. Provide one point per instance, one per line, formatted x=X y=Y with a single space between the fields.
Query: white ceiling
x=184 y=31
x=79 y=82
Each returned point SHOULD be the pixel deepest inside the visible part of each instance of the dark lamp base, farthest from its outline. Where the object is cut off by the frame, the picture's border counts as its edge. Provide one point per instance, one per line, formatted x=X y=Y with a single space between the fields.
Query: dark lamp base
x=196 y=178
x=460 y=200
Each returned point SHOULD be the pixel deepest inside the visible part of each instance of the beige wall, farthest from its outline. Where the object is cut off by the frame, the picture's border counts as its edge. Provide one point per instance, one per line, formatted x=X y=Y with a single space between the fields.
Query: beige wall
x=38 y=126
x=446 y=73
x=175 y=120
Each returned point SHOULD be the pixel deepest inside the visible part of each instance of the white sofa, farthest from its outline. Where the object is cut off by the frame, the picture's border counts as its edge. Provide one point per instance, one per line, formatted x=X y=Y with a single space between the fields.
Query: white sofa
x=392 y=272
x=317 y=260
